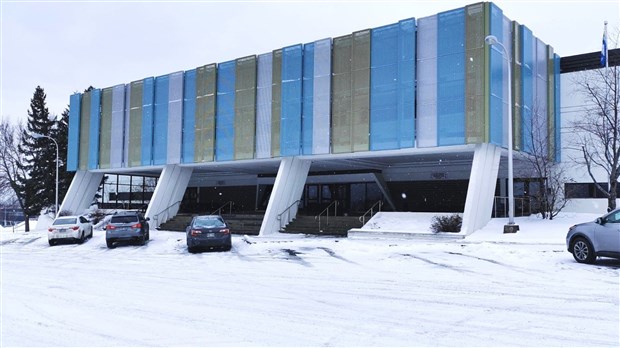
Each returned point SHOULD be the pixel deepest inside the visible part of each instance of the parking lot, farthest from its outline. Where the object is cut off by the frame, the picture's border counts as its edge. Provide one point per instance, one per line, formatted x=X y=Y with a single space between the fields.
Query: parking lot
x=291 y=290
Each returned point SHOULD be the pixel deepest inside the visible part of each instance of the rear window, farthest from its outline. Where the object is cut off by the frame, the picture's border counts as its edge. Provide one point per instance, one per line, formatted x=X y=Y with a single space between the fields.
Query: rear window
x=208 y=223
x=127 y=219
x=65 y=221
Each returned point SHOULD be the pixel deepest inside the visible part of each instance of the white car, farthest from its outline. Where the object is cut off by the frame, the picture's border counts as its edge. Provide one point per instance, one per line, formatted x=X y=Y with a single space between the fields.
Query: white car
x=73 y=228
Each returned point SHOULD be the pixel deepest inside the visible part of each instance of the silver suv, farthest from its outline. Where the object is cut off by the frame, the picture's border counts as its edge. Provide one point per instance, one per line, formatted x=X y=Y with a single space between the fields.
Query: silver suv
x=127 y=226
x=587 y=241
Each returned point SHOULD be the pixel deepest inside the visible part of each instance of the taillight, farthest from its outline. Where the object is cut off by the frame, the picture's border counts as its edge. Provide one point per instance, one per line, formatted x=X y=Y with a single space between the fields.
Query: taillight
x=195 y=232
x=110 y=227
x=51 y=229
x=75 y=228
x=138 y=225
x=225 y=231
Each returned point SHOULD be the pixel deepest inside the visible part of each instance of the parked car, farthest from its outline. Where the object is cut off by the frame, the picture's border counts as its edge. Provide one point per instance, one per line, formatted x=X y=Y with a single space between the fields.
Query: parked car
x=208 y=231
x=69 y=228
x=127 y=226
x=587 y=241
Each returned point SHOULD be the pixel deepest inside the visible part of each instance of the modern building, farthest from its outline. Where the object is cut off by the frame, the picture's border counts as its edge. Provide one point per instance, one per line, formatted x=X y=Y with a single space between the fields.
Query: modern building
x=581 y=189
x=412 y=113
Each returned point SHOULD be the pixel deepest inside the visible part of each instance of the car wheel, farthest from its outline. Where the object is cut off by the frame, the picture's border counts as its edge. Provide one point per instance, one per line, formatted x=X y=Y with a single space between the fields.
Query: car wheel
x=148 y=235
x=142 y=240
x=52 y=242
x=110 y=243
x=582 y=250
x=228 y=247
x=81 y=239
x=192 y=250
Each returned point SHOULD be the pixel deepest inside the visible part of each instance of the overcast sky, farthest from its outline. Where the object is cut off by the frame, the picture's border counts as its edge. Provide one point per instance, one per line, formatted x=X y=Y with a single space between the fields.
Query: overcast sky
x=66 y=46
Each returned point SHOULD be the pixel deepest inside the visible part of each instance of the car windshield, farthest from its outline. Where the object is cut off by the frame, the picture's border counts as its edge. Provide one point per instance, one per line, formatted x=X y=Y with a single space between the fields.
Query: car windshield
x=65 y=221
x=126 y=219
x=208 y=222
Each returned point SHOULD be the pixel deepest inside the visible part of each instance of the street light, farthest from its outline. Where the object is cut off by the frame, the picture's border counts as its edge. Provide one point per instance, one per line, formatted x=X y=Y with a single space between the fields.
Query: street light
x=511 y=227
x=37 y=136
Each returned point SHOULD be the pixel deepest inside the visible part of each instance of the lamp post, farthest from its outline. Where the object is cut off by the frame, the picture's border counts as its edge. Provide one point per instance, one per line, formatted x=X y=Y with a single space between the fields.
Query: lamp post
x=37 y=136
x=511 y=227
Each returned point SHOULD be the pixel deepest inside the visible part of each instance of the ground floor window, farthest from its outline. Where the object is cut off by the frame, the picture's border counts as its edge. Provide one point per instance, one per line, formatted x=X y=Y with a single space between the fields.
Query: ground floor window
x=585 y=190
x=125 y=191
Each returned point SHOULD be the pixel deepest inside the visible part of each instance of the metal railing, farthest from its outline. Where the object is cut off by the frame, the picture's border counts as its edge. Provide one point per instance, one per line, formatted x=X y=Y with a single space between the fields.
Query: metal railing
x=156 y=216
x=218 y=211
x=288 y=213
x=371 y=211
x=523 y=206
x=326 y=212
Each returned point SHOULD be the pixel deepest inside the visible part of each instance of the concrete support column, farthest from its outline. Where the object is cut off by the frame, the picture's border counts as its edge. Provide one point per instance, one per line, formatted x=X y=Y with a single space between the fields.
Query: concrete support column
x=287 y=189
x=168 y=194
x=385 y=190
x=81 y=192
x=481 y=189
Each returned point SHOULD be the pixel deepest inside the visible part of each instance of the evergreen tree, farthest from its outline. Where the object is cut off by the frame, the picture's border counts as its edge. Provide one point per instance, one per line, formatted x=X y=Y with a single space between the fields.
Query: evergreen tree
x=61 y=134
x=38 y=183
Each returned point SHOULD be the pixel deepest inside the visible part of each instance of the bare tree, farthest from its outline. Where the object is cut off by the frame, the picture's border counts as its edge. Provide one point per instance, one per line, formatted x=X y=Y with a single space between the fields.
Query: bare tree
x=550 y=174
x=597 y=132
x=9 y=162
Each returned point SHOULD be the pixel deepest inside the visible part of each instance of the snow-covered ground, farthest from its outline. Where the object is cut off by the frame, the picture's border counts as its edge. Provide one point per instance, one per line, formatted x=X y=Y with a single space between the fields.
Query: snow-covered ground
x=489 y=289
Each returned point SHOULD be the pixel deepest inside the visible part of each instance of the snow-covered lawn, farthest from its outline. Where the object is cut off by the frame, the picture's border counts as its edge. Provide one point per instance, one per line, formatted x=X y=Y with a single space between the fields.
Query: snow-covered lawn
x=488 y=289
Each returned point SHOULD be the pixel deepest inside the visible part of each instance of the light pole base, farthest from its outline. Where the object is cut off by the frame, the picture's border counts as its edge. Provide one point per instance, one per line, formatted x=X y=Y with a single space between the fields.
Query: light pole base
x=511 y=228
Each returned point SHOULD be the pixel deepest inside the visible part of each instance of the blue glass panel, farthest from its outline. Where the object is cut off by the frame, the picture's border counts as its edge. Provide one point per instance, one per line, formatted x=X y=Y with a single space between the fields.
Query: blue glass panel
x=225 y=111
x=384 y=59
x=160 y=119
x=308 y=95
x=497 y=83
x=290 y=126
x=189 y=116
x=73 y=146
x=406 y=82
x=93 y=131
x=146 y=143
x=451 y=77
x=527 y=86
x=558 y=120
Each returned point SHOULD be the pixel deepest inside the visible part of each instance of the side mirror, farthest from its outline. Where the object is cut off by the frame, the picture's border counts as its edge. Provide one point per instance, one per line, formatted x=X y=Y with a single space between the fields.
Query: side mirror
x=148 y=219
x=600 y=221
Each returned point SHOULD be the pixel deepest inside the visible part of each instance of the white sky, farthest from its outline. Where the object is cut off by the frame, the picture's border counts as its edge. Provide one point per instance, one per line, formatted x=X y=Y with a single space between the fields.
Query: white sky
x=66 y=46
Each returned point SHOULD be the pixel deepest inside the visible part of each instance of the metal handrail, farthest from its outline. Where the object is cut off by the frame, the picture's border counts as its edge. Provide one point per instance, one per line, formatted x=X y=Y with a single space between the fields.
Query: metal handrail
x=156 y=216
x=288 y=211
x=219 y=210
x=326 y=211
x=362 y=218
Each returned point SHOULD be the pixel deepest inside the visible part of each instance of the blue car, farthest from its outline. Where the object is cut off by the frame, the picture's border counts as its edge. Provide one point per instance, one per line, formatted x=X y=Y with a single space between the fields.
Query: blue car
x=589 y=240
x=127 y=226
x=208 y=231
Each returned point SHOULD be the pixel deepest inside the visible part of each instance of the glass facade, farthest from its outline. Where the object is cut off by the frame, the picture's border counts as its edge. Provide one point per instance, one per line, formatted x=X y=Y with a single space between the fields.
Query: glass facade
x=415 y=83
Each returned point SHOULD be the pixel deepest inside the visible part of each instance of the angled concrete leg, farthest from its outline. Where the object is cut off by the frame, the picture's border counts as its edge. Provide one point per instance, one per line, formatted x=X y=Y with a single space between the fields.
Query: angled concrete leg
x=481 y=189
x=287 y=189
x=81 y=192
x=168 y=194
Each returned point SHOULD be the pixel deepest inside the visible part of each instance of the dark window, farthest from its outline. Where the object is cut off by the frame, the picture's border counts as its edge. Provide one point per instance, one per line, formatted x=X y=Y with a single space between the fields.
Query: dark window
x=585 y=190
x=124 y=219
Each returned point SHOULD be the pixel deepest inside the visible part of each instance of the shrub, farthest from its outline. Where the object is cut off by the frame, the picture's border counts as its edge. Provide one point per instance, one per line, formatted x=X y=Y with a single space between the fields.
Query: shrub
x=447 y=223
x=96 y=216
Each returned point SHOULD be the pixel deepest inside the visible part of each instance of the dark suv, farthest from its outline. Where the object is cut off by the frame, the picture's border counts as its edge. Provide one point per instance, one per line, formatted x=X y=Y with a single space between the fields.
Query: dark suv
x=127 y=226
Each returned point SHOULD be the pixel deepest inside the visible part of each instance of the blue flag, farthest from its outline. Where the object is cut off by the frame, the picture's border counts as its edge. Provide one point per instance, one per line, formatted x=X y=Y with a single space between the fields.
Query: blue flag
x=604 y=51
